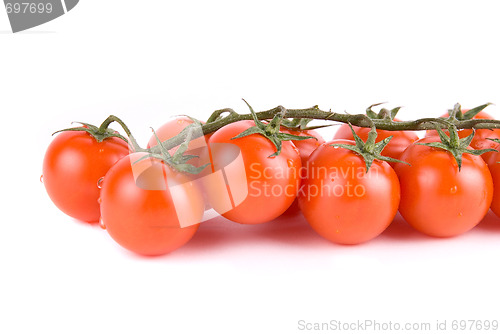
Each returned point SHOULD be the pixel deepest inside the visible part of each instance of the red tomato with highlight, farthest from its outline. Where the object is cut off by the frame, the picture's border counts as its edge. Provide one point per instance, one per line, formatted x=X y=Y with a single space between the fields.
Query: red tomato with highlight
x=73 y=164
x=342 y=202
x=436 y=198
x=400 y=141
x=149 y=208
x=249 y=186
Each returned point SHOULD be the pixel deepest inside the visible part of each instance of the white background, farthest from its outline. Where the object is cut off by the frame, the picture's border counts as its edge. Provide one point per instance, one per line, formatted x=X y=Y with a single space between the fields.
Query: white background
x=148 y=60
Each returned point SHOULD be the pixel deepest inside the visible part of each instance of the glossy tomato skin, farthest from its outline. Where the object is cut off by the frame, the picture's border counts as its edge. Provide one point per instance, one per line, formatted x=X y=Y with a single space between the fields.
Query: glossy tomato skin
x=493 y=162
x=400 y=141
x=342 y=202
x=270 y=183
x=73 y=164
x=138 y=207
x=436 y=198
x=480 y=141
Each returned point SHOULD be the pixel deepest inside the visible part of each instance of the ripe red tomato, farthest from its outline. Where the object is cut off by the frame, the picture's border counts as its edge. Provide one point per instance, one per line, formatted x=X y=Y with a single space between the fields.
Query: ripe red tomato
x=172 y=128
x=436 y=198
x=342 y=202
x=259 y=187
x=73 y=164
x=480 y=141
x=148 y=208
x=400 y=141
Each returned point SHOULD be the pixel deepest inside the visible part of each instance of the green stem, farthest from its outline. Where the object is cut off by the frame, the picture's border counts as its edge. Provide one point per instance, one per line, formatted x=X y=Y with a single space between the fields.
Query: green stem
x=132 y=141
x=372 y=136
x=215 y=115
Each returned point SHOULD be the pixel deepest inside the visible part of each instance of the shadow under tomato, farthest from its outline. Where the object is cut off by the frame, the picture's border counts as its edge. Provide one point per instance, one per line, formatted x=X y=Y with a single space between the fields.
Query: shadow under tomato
x=220 y=233
x=213 y=233
x=292 y=230
x=401 y=230
x=288 y=230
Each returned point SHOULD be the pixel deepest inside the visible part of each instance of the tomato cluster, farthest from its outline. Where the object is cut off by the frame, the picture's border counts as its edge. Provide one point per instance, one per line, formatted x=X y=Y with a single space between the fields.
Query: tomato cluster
x=348 y=193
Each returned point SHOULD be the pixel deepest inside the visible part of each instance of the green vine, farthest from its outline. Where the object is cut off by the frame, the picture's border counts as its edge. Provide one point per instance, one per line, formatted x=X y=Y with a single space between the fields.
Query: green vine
x=217 y=120
x=299 y=118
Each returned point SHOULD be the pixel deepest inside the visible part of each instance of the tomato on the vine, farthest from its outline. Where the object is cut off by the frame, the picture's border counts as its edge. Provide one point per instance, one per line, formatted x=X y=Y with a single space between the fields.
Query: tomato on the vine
x=438 y=198
x=73 y=164
x=480 y=140
x=480 y=133
x=261 y=187
x=400 y=141
x=148 y=207
x=342 y=201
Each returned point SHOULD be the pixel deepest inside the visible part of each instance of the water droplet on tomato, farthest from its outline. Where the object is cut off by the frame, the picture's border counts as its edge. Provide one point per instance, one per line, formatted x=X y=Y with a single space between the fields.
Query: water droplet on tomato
x=101 y=223
x=332 y=179
x=101 y=150
x=460 y=214
x=99 y=182
x=99 y=200
x=290 y=163
x=453 y=190
x=41 y=178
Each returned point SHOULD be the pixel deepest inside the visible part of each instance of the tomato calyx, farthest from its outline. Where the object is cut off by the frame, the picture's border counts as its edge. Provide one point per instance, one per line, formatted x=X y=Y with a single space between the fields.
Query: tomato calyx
x=384 y=114
x=270 y=130
x=98 y=133
x=104 y=132
x=454 y=144
x=179 y=160
x=457 y=114
x=369 y=150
